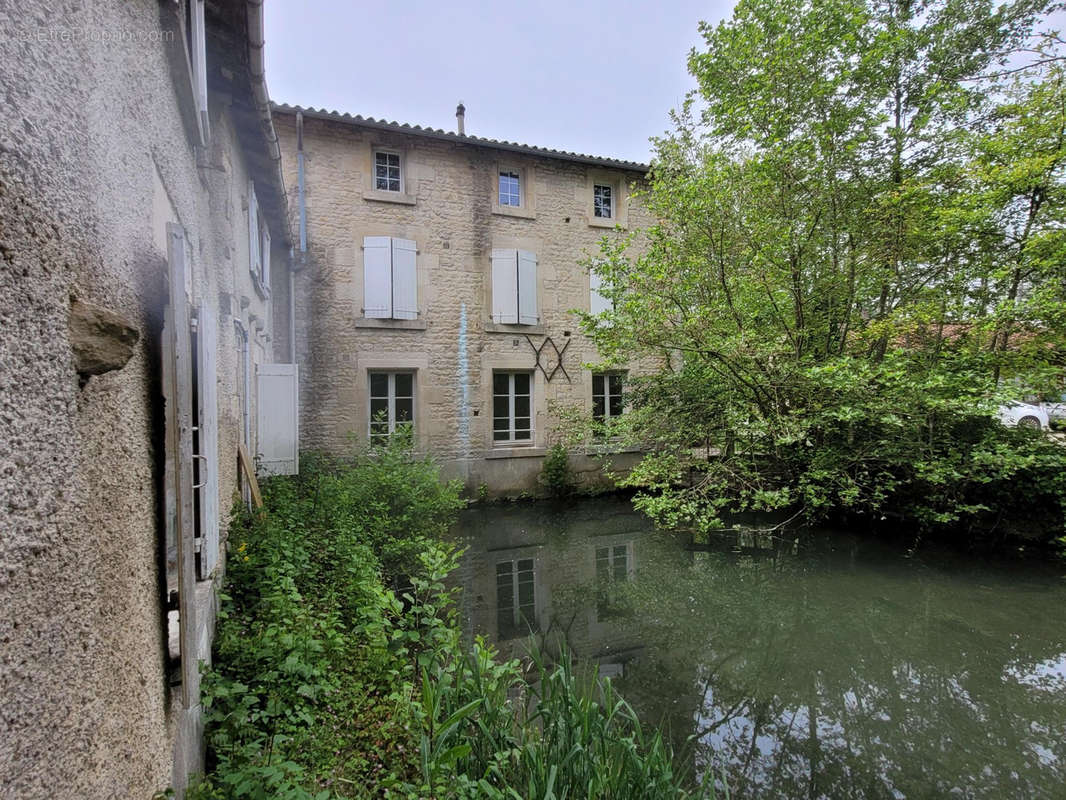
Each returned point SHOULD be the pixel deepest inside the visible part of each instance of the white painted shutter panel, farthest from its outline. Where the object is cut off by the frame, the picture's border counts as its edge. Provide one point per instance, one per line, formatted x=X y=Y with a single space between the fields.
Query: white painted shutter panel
x=504 y=286
x=279 y=419
x=207 y=341
x=265 y=256
x=527 y=288
x=404 y=279
x=253 y=232
x=597 y=302
x=377 y=277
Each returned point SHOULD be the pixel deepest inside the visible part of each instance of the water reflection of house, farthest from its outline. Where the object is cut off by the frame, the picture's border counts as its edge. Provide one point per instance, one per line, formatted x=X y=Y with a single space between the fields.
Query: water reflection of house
x=548 y=572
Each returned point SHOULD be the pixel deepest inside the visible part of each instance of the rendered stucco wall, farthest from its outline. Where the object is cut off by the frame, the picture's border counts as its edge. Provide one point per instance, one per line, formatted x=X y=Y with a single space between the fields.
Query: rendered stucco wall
x=94 y=161
x=449 y=211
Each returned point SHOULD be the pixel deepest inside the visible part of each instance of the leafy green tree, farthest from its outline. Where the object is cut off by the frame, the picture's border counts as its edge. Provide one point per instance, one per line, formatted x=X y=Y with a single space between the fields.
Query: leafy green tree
x=859 y=252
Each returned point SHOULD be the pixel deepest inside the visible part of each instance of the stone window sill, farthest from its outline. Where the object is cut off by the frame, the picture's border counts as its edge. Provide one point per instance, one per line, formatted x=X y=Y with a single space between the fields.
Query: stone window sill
x=394 y=324
x=389 y=197
x=600 y=222
x=506 y=327
x=516 y=451
x=511 y=211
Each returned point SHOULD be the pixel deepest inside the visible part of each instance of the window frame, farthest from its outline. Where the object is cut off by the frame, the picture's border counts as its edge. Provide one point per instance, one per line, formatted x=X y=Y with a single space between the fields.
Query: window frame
x=515 y=174
x=512 y=430
x=605 y=609
x=400 y=167
x=390 y=404
x=607 y=416
x=597 y=202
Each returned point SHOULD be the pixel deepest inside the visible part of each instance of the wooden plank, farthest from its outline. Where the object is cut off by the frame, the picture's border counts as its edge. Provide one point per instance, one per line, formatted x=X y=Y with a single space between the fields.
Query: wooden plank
x=179 y=429
x=248 y=468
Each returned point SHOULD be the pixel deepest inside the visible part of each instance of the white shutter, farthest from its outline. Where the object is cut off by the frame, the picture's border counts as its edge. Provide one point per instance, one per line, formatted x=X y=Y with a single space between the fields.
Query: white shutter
x=377 y=276
x=266 y=258
x=253 y=232
x=404 y=279
x=199 y=64
x=597 y=302
x=207 y=392
x=504 y=286
x=527 y=288
x=279 y=419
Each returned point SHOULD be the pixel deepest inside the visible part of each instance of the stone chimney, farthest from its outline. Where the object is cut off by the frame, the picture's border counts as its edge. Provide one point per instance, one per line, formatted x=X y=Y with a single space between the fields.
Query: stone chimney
x=460 y=117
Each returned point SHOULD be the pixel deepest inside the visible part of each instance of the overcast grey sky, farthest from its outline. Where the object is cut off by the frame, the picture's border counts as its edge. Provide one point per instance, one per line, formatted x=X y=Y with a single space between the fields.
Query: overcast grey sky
x=593 y=77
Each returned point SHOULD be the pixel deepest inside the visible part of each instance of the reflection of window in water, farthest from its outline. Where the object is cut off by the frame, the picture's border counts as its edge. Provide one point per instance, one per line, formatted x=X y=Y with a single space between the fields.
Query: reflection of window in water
x=516 y=611
x=612 y=564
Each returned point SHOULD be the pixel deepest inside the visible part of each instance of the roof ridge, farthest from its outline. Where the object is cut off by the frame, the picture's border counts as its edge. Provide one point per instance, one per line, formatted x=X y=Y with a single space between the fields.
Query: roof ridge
x=406 y=127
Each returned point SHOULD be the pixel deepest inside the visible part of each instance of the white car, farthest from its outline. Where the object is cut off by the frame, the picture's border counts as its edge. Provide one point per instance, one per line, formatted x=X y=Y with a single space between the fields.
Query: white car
x=1055 y=409
x=1023 y=415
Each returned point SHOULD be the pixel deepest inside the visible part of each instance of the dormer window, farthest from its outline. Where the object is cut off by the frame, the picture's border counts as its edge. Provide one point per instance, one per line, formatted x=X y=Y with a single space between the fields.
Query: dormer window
x=603 y=200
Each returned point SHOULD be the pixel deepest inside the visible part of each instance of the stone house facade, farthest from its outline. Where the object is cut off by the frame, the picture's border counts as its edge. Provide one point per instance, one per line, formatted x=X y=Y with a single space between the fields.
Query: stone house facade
x=144 y=283
x=443 y=272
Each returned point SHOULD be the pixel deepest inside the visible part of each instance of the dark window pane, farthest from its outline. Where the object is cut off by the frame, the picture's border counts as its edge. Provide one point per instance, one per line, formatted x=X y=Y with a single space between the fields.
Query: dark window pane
x=521 y=405
x=521 y=383
x=499 y=383
x=616 y=405
x=501 y=435
x=379 y=409
x=404 y=384
x=405 y=410
x=521 y=435
x=379 y=384
x=615 y=383
x=597 y=384
x=597 y=407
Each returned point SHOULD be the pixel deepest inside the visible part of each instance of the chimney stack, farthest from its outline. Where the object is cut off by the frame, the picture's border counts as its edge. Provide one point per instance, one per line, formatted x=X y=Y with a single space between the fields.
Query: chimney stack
x=460 y=116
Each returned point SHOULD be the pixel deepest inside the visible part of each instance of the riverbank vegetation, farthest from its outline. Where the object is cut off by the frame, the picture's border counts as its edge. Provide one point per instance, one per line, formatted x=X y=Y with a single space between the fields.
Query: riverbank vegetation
x=340 y=671
x=859 y=255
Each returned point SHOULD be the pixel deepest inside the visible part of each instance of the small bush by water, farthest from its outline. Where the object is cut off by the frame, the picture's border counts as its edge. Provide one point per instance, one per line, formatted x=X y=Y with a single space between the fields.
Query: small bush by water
x=331 y=682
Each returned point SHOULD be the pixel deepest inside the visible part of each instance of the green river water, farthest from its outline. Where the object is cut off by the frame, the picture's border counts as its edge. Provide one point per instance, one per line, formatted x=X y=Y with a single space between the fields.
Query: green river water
x=814 y=664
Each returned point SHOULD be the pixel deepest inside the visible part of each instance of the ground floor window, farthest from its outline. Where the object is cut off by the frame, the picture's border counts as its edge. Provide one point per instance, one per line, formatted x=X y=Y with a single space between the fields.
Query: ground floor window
x=512 y=403
x=392 y=404
x=516 y=608
x=607 y=395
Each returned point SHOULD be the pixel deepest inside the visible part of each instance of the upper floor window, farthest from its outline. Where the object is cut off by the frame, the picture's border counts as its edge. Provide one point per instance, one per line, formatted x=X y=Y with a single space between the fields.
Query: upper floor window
x=512 y=407
x=388 y=171
x=514 y=287
x=390 y=278
x=510 y=189
x=392 y=404
x=603 y=200
x=606 y=396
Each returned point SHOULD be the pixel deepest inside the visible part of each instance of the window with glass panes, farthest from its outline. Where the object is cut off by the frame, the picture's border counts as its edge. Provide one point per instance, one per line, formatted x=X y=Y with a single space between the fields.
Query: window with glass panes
x=602 y=203
x=512 y=419
x=510 y=189
x=387 y=177
x=612 y=566
x=516 y=607
x=606 y=395
x=392 y=404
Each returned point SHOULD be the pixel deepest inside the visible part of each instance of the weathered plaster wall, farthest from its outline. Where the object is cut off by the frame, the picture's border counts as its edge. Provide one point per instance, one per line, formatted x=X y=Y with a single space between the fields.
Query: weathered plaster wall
x=94 y=161
x=456 y=225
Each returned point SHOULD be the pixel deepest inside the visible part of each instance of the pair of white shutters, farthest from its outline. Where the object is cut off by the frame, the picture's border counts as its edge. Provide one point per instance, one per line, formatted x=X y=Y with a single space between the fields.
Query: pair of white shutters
x=514 y=287
x=390 y=279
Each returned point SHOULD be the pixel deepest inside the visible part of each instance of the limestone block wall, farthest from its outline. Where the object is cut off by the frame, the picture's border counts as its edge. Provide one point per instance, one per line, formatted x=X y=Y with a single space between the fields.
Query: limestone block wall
x=95 y=160
x=449 y=207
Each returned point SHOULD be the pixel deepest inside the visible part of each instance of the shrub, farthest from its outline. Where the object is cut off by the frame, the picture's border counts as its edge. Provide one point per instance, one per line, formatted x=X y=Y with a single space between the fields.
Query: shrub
x=556 y=474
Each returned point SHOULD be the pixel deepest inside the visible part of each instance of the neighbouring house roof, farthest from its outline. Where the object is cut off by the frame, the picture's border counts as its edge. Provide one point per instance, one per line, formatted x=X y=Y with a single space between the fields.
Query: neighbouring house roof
x=449 y=136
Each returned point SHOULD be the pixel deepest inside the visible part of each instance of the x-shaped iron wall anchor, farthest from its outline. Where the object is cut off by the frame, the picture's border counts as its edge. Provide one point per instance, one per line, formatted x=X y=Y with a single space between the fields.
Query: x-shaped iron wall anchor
x=558 y=357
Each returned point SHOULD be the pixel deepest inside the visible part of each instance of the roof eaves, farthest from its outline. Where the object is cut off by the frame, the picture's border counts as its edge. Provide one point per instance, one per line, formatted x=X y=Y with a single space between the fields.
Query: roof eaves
x=442 y=135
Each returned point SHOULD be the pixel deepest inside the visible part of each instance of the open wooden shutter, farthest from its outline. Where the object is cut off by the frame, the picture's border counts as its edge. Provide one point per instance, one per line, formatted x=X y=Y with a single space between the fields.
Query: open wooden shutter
x=527 y=288
x=265 y=258
x=504 y=286
x=177 y=351
x=207 y=345
x=377 y=277
x=597 y=302
x=279 y=419
x=404 y=279
x=254 y=257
